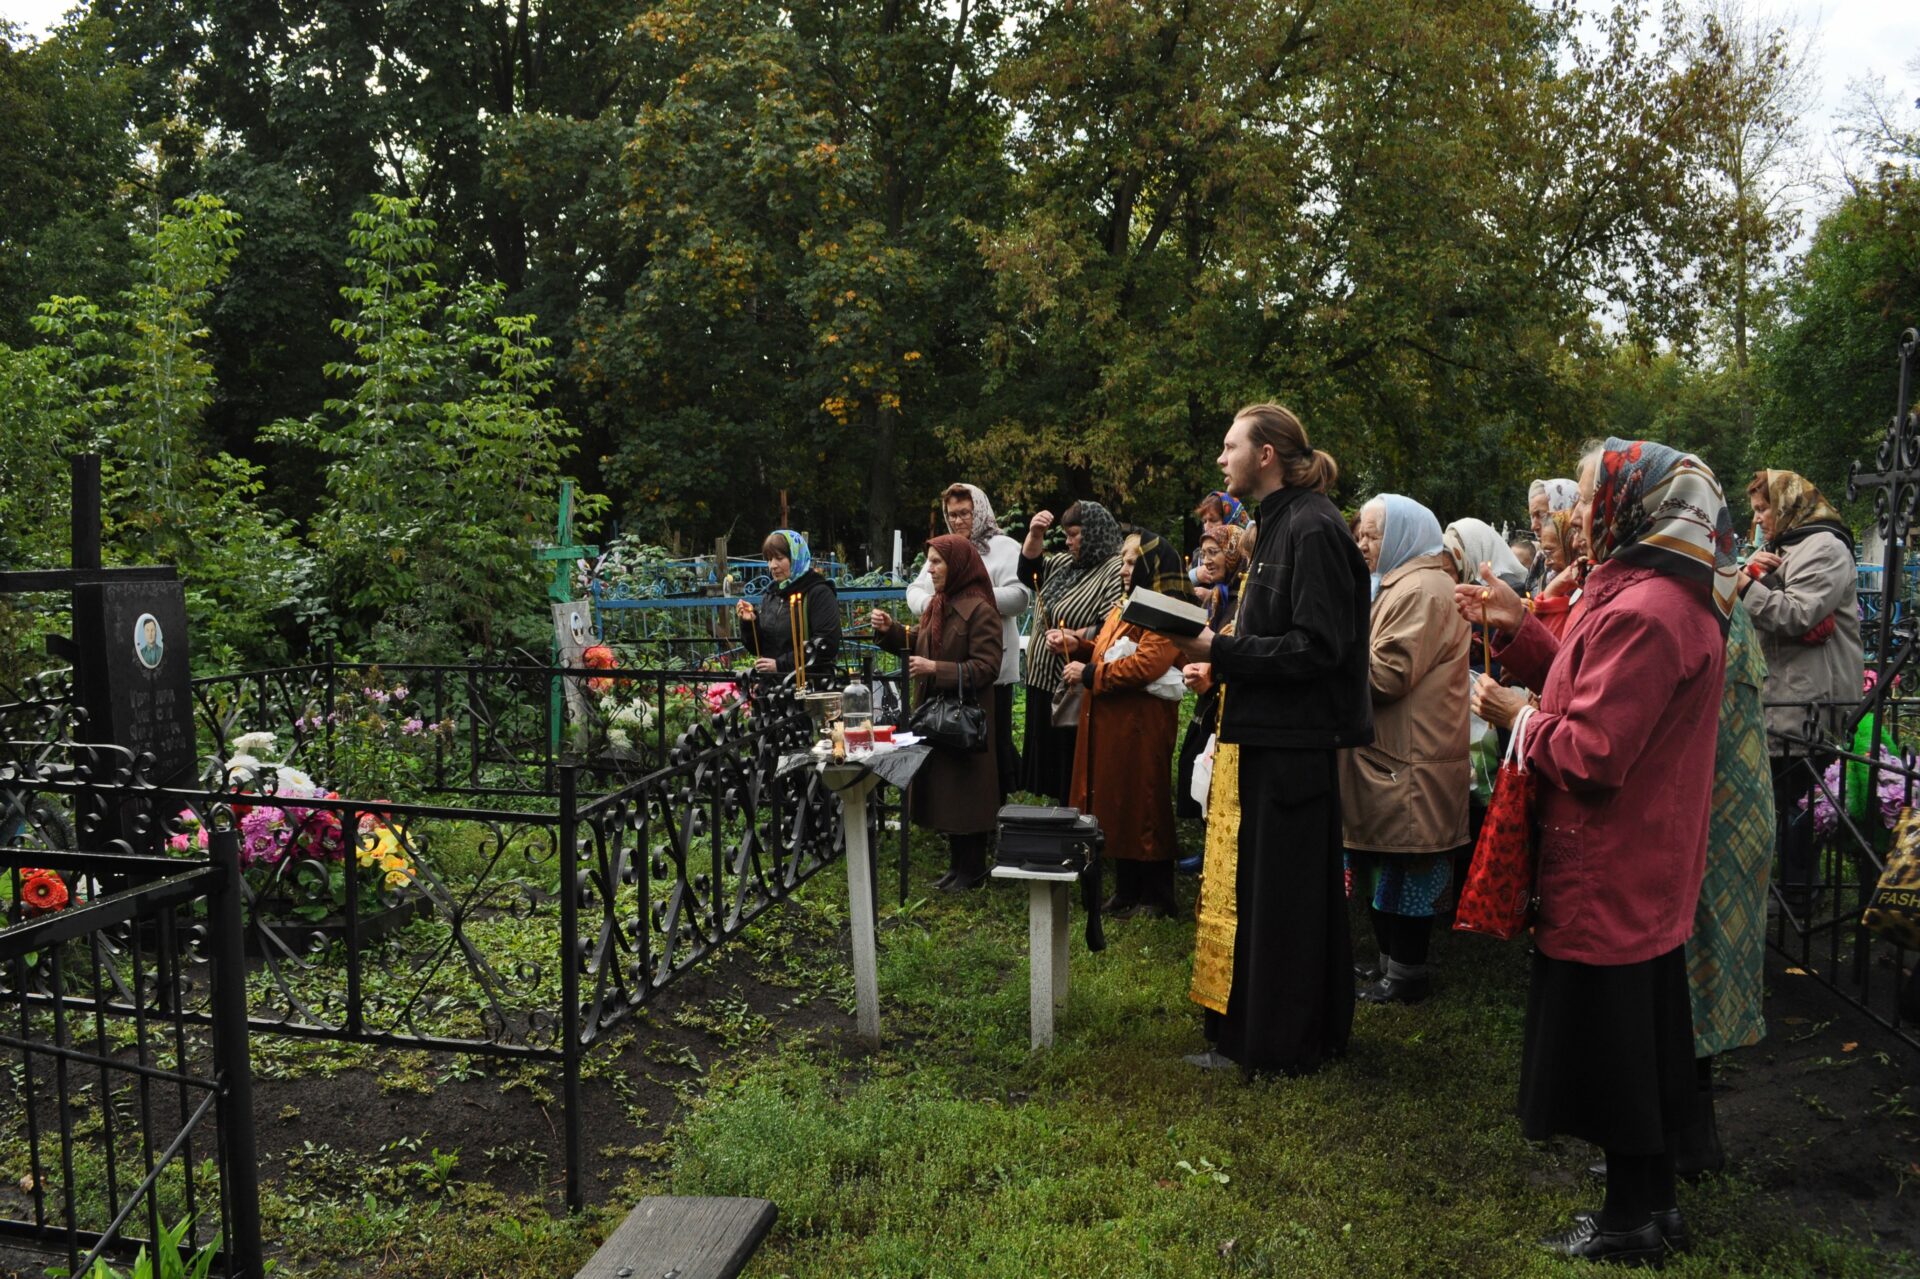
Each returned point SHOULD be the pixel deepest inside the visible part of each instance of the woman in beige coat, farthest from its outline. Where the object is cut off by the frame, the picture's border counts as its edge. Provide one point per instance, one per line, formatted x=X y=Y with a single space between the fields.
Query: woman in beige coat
x=1403 y=800
x=1802 y=591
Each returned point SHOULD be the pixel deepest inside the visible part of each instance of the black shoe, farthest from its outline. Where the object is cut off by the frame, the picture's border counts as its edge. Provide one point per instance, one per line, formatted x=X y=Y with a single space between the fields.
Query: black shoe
x=1398 y=990
x=1367 y=974
x=1212 y=1059
x=1115 y=907
x=945 y=881
x=1585 y=1241
x=1673 y=1227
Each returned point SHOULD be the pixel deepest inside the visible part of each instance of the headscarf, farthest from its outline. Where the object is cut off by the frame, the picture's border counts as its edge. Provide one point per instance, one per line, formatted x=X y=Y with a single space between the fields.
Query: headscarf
x=1159 y=567
x=1408 y=530
x=1800 y=510
x=802 y=558
x=1562 y=522
x=1560 y=494
x=1472 y=542
x=966 y=576
x=1233 y=512
x=1233 y=546
x=1662 y=509
x=1100 y=539
x=985 y=527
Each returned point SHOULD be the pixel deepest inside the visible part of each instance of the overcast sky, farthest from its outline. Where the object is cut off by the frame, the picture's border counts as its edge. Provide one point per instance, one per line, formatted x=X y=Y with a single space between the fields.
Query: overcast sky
x=1853 y=40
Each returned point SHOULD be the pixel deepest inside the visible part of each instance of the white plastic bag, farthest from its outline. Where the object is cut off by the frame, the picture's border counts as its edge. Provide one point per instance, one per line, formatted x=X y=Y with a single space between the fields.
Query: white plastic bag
x=1203 y=775
x=1170 y=686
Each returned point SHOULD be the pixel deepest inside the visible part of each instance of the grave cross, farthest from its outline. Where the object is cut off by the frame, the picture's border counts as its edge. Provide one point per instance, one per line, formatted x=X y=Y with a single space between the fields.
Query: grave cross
x=563 y=554
x=1898 y=482
x=129 y=648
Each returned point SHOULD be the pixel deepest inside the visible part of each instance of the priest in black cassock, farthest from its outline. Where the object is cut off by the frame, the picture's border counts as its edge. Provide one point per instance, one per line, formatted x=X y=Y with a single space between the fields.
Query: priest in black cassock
x=1294 y=673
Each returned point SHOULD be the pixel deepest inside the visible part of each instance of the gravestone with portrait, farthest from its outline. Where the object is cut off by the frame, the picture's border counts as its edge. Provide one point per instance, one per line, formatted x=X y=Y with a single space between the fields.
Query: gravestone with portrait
x=132 y=645
x=573 y=635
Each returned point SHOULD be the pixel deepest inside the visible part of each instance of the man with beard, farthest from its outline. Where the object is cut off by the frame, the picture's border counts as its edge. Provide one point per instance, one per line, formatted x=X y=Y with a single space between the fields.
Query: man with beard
x=1274 y=967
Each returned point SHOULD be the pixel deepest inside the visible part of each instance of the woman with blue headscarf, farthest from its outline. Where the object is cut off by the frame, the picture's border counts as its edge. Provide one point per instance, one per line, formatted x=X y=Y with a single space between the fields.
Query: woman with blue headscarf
x=1403 y=799
x=800 y=613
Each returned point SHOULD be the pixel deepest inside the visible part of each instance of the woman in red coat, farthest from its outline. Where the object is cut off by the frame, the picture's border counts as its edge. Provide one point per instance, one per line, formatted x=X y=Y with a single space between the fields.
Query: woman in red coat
x=1124 y=753
x=1622 y=752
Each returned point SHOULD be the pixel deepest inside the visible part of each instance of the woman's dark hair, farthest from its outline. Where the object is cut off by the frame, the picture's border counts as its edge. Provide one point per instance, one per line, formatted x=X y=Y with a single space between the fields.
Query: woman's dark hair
x=1071 y=517
x=776 y=544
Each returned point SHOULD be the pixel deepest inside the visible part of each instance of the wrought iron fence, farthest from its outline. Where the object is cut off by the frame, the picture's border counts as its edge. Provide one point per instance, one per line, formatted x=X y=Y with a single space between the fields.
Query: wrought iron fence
x=523 y=932
x=116 y=1095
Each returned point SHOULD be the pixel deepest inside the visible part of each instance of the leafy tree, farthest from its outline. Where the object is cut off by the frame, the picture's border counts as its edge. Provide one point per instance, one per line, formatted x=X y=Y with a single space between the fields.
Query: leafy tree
x=808 y=303
x=67 y=167
x=442 y=468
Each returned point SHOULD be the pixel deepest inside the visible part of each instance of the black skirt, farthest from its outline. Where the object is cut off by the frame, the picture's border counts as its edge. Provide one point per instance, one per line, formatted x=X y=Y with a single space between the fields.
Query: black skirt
x=1047 y=767
x=1609 y=1053
x=1199 y=729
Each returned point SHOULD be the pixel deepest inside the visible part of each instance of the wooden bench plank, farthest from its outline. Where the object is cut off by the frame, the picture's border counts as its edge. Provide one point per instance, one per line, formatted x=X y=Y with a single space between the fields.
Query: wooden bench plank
x=681 y=1237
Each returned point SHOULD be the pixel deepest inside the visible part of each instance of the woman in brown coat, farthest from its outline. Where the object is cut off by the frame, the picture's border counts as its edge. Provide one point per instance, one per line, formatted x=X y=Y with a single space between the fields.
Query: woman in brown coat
x=958 y=642
x=1403 y=799
x=1124 y=753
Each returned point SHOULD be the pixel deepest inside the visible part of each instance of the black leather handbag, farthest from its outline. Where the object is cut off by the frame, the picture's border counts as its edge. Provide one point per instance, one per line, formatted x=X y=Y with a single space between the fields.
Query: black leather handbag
x=951 y=721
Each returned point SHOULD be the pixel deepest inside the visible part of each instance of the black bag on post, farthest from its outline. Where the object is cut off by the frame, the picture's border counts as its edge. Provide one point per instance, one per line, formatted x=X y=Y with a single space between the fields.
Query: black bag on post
x=951 y=722
x=1058 y=839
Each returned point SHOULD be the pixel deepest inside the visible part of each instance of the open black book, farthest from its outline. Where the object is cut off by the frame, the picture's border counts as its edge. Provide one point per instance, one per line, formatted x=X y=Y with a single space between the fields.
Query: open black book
x=1164 y=613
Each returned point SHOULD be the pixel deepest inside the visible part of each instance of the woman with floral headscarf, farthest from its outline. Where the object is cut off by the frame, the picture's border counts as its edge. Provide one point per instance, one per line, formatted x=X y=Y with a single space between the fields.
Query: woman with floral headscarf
x=1553 y=602
x=1403 y=798
x=1802 y=591
x=1622 y=751
x=957 y=647
x=1073 y=592
x=799 y=614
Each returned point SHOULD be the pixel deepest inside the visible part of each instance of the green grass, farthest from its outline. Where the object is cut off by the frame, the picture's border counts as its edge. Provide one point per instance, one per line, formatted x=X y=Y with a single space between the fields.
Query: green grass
x=953 y=1152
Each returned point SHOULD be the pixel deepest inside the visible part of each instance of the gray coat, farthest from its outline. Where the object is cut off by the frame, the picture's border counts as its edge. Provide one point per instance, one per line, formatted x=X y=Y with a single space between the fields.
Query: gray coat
x=1816 y=580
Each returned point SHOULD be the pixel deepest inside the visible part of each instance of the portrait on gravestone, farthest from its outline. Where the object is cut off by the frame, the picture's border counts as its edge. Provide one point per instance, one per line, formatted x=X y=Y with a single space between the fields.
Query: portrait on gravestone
x=573 y=636
x=148 y=643
x=135 y=678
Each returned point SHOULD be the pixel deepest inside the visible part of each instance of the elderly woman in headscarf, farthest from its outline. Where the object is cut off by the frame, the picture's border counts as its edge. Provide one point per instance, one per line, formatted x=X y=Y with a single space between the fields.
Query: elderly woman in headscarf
x=1622 y=751
x=1471 y=543
x=1124 y=749
x=1544 y=497
x=1222 y=558
x=970 y=515
x=956 y=648
x=1802 y=591
x=1553 y=602
x=1073 y=592
x=799 y=615
x=1403 y=799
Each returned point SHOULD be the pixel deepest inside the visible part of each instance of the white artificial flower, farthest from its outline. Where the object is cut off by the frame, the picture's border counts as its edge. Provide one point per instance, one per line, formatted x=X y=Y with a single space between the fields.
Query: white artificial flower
x=256 y=744
x=241 y=769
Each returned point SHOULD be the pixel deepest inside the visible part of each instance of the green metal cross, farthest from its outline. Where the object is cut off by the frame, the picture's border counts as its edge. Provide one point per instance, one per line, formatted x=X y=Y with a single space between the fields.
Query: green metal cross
x=563 y=553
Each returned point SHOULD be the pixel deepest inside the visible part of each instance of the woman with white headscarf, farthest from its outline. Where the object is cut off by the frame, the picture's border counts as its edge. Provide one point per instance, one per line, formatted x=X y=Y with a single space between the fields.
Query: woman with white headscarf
x=1544 y=497
x=1403 y=799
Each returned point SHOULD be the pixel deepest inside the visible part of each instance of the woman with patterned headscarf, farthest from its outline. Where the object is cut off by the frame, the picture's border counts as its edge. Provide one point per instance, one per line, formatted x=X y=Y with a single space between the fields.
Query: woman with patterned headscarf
x=1073 y=592
x=1622 y=751
x=800 y=612
x=1553 y=602
x=1802 y=591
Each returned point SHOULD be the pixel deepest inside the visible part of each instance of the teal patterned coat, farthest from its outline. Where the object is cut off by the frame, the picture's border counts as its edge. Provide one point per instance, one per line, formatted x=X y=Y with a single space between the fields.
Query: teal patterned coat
x=1726 y=955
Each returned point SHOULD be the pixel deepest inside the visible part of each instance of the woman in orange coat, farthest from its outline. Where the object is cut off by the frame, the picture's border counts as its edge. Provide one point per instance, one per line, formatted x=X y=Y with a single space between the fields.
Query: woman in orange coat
x=1123 y=760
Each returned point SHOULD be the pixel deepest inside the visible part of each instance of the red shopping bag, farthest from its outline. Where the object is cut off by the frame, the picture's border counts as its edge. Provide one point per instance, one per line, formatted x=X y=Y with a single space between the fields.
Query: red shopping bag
x=1497 y=898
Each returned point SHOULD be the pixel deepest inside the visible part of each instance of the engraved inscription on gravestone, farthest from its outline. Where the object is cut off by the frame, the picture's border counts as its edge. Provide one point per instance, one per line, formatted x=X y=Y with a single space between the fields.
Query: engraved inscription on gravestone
x=133 y=643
